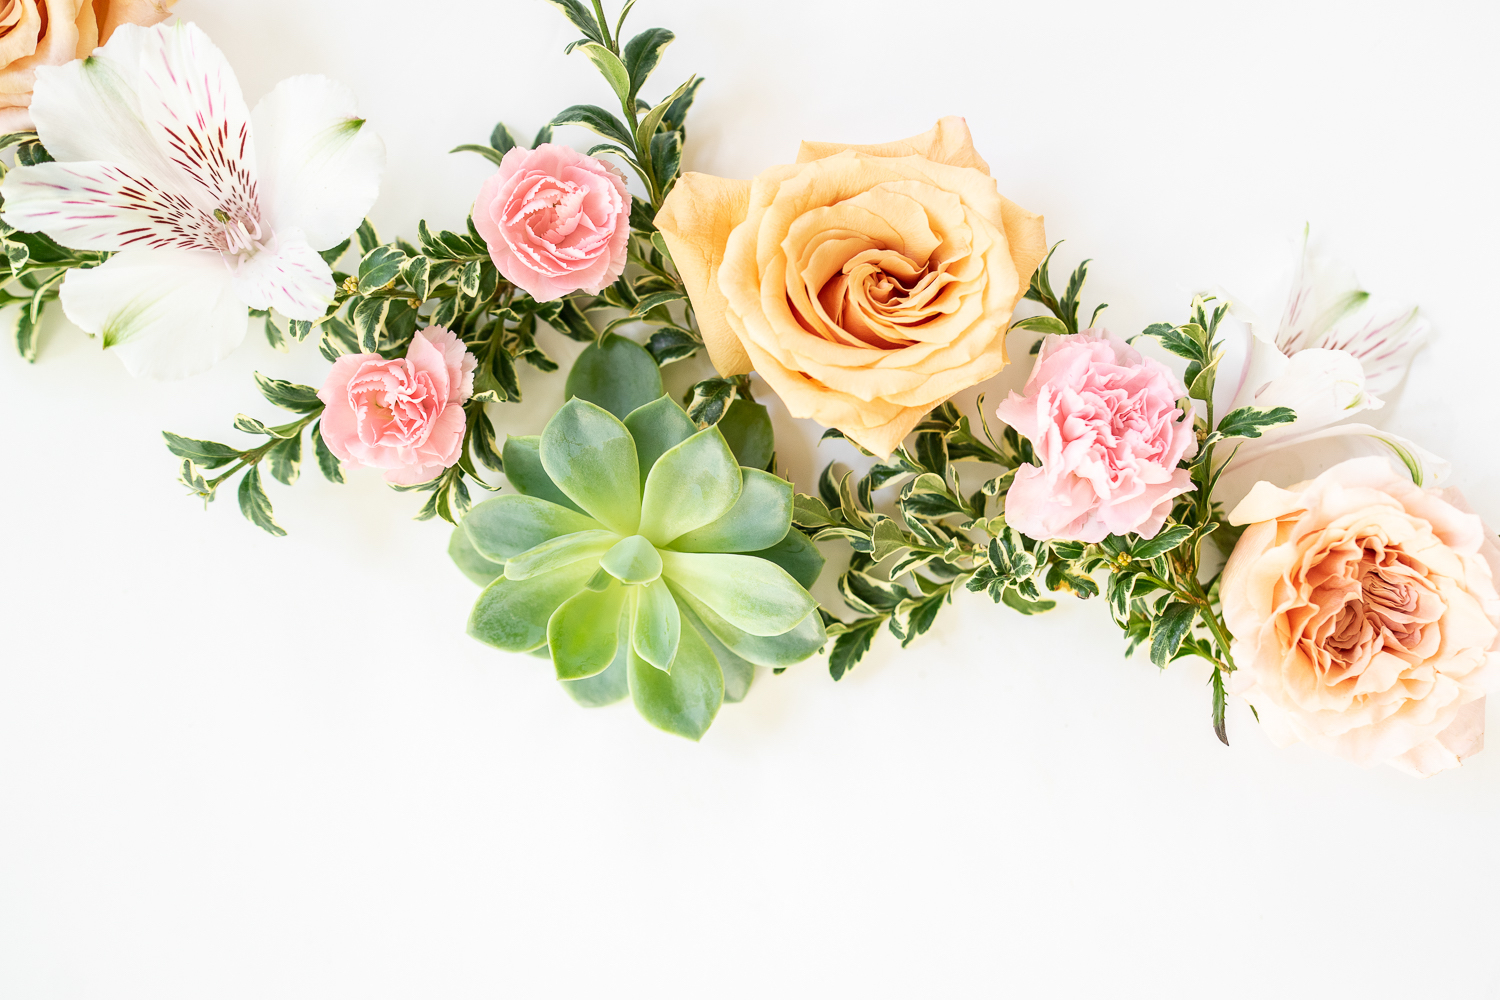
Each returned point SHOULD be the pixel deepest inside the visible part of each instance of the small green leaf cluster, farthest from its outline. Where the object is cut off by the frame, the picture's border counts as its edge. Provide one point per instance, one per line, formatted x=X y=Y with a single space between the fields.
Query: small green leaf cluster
x=33 y=266
x=644 y=558
x=1064 y=318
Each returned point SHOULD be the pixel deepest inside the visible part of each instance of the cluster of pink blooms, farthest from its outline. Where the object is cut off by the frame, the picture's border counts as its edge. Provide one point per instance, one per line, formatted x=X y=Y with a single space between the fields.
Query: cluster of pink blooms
x=556 y=222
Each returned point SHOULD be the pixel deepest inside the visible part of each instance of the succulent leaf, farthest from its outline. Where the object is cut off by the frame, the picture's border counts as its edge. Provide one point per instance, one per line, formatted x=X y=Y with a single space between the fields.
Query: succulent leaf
x=474 y=566
x=522 y=457
x=512 y=614
x=753 y=595
x=739 y=673
x=590 y=455
x=746 y=425
x=632 y=560
x=555 y=553
x=607 y=688
x=782 y=650
x=686 y=699
x=798 y=556
x=759 y=519
x=656 y=628
x=505 y=526
x=583 y=633
x=616 y=374
x=692 y=484
x=657 y=427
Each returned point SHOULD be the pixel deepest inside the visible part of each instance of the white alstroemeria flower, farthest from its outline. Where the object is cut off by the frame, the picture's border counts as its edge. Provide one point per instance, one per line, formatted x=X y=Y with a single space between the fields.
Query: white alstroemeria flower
x=213 y=210
x=1329 y=353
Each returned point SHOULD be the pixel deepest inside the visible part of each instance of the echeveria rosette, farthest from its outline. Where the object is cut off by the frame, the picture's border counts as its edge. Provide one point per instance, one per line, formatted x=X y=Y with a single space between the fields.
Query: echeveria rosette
x=645 y=560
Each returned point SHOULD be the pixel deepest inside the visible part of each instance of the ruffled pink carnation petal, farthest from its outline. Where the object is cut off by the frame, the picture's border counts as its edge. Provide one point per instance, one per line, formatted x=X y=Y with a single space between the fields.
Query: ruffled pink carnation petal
x=1107 y=429
x=555 y=221
x=404 y=415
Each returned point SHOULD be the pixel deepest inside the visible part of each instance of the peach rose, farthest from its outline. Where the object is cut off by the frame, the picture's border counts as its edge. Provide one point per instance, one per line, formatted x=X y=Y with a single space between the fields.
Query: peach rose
x=1365 y=617
x=52 y=32
x=866 y=284
x=406 y=415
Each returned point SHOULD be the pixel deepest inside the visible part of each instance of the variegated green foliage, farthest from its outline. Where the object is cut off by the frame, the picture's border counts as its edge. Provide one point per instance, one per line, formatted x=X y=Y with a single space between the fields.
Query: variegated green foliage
x=907 y=567
x=644 y=558
x=32 y=266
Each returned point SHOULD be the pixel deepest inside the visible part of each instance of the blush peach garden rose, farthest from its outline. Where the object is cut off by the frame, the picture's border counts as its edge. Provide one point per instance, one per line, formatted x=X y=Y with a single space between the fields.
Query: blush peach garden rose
x=1105 y=424
x=406 y=415
x=37 y=33
x=866 y=284
x=1365 y=617
x=556 y=221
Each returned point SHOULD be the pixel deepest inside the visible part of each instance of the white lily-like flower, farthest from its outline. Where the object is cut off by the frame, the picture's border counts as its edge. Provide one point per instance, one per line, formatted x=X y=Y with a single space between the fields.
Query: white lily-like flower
x=212 y=210
x=1329 y=353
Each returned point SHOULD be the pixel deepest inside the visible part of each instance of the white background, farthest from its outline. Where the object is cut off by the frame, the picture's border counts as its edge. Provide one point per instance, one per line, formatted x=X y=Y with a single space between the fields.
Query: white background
x=236 y=766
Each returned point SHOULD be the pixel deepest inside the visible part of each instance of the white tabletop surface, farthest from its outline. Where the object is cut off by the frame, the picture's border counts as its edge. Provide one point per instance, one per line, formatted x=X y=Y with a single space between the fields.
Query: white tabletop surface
x=233 y=766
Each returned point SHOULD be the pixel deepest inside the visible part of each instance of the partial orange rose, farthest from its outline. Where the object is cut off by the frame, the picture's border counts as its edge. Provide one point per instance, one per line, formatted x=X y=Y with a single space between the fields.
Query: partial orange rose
x=52 y=32
x=866 y=284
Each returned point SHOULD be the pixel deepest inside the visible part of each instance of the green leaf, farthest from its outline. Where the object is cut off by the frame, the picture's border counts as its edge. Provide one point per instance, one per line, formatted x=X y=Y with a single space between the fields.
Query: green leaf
x=746 y=425
x=657 y=427
x=1017 y=602
x=488 y=152
x=1169 y=629
x=617 y=374
x=286 y=459
x=851 y=646
x=811 y=512
x=672 y=344
x=417 y=271
x=685 y=700
x=590 y=455
x=796 y=554
x=559 y=551
x=467 y=558
x=250 y=425
x=583 y=634
x=597 y=120
x=506 y=526
x=1165 y=541
x=331 y=255
x=274 y=336
x=29 y=154
x=1041 y=324
x=580 y=18
x=656 y=300
x=708 y=400
x=611 y=68
x=642 y=53
x=759 y=519
x=208 y=454
x=512 y=615
x=693 y=484
x=502 y=140
x=256 y=506
x=1249 y=421
x=366 y=236
x=607 y=688
x=656 y=628
x=328 y=462
x=1217 y=680
x=753 y=595
x=522 y=457
x=288 y=395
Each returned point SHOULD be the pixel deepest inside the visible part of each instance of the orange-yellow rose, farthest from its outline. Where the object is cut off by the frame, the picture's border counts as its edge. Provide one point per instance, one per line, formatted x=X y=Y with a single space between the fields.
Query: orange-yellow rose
x=866 y=284
x=52 y=32
x=1364 y=616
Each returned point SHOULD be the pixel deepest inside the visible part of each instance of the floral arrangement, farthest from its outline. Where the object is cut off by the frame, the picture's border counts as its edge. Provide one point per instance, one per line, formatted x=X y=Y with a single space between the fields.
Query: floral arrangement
x=652 y=549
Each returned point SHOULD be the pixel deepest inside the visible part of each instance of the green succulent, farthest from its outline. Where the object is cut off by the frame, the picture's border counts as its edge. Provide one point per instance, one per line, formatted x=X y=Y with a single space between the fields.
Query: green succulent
x=644 y=560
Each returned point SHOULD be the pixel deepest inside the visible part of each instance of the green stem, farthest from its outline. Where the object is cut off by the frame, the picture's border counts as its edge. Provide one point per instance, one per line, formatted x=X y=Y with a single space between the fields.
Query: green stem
x=255 y=455
x=609 y=42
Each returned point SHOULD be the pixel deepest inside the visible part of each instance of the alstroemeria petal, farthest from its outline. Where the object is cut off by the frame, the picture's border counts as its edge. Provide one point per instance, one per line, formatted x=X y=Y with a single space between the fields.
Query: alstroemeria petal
x=1323 y=387
x=512 y=614
x=692 y=484
x=288 y=276
x=685 y=700
x=752 y=594
x=320 y=164
x=1382 y=339
x=782 y=650
x=505 y=526
x=1300 y=457
x=102 y=206
x=657 y=427
x=590 y=455
x=167 y=313
x=555 y=553
x=758 y=520
x=583 y=633
x=656 y=626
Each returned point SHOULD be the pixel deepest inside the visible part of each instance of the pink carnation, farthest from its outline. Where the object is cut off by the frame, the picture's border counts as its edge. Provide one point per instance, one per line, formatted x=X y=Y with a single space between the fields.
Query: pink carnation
x=556 y=221
x=1108 y=431
x=406 y=415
